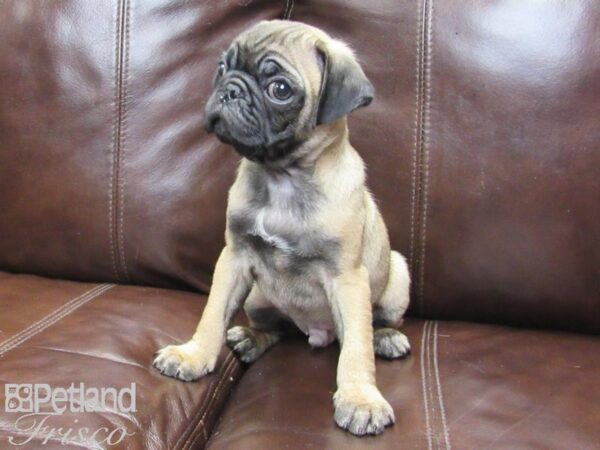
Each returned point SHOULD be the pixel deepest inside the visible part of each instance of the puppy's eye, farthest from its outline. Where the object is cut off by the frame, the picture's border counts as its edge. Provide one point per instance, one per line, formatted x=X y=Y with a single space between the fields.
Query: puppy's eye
x=279 y=91
x=221 y=69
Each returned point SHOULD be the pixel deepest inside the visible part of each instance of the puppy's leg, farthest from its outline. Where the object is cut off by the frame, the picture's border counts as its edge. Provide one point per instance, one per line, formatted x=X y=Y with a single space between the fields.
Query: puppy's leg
x=359 y=406
x=388 y=342
x=198 y=356
x=267 y=327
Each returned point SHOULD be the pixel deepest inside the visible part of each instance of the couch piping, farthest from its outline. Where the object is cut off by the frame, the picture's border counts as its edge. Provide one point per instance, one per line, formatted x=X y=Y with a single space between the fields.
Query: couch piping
x=201 y=425
x=195 y=421
x=53 y=317
x=420 y=159
x=438 y=435
x=196 y=424
x=219 y=393
x=116 y=204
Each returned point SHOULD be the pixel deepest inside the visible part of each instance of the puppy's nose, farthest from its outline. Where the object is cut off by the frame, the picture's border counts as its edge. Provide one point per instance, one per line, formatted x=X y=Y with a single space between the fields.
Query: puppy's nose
x=231 y=92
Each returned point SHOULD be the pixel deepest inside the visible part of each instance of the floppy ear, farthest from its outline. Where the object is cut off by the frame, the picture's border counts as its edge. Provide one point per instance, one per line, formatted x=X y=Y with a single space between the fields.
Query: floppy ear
x=344 y=86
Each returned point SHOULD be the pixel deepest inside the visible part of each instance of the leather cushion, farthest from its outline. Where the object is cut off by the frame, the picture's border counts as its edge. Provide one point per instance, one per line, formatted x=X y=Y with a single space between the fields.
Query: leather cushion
x=464 y=386
x=59 y=332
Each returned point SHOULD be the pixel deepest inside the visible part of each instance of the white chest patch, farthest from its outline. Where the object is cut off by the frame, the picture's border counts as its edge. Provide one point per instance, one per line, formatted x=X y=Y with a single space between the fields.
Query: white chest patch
x=272 y=239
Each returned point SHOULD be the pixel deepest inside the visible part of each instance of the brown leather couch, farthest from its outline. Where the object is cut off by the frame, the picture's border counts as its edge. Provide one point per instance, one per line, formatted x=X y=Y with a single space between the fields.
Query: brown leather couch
x=483 y=150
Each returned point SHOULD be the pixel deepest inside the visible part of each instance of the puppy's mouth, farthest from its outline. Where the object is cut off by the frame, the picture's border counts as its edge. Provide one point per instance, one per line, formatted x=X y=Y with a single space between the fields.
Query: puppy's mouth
x=219 y=128
x=242 y=139
x=249 y=144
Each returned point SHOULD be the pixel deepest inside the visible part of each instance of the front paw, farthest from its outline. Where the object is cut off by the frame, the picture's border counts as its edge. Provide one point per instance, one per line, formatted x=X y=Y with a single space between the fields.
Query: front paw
x=361 y=409
x=185 y=362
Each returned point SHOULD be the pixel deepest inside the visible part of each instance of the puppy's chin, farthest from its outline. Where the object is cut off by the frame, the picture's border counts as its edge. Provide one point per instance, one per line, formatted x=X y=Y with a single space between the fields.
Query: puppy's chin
x=255 y=148
x=251 y=148
x=269 y=156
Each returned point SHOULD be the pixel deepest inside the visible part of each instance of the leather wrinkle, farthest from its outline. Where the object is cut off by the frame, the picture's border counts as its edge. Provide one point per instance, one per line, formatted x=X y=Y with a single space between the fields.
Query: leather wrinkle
x=90 y=355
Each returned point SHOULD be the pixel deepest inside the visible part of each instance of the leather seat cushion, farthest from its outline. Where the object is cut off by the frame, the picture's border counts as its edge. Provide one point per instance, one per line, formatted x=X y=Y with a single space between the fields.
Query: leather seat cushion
x=465 y=386
x=59 y=332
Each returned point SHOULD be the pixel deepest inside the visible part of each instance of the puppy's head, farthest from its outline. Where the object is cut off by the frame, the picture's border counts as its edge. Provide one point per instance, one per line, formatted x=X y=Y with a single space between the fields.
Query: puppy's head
x=276 y=83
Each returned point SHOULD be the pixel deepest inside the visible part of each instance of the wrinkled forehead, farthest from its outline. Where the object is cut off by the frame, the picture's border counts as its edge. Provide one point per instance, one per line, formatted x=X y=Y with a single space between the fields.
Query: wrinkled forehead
x=292 y=46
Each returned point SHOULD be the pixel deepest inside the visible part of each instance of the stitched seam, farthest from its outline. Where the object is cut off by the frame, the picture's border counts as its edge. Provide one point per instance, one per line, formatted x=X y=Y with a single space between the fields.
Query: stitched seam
x=26 y=330
x=121 y=55
x=418 y=152
x=433 y=412
x=413 y=197
x=424 y=165
x=124 y=128
x=424 y=351
x=194 y=420
x=289 y=6
x=439 y=389
x=419 y=187
x=53 y=317
x=122 y=117
x=217 y=395
x=415 y=159
x=430 y=397
x=426 y=124
x=113 y=151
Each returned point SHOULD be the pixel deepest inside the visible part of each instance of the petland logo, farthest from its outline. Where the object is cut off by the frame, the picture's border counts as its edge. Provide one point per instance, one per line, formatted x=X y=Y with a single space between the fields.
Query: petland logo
x=38 y=403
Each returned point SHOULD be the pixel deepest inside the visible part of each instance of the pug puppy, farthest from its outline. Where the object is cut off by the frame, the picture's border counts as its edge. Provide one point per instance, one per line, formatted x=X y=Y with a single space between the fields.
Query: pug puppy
x=305 y=242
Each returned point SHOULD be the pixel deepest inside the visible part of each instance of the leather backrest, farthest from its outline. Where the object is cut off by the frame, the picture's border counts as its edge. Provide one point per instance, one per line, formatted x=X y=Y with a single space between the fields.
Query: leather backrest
x=482 y=144
x=483 y=148
x=105 y=170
